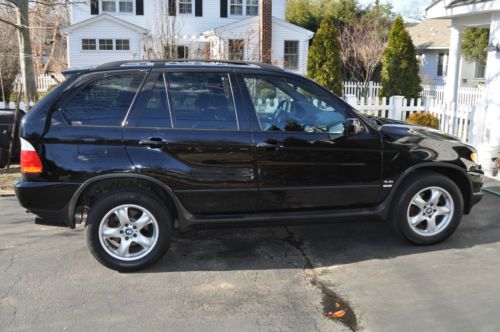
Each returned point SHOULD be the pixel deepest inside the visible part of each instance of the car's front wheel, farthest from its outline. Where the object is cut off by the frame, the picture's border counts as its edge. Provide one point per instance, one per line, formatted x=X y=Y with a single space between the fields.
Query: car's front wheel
x=128 y=230
x=428 y=209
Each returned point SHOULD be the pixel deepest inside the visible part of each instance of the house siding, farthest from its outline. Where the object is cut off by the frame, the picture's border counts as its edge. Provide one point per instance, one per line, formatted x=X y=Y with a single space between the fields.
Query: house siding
x=250 y=34
x=190 y=30
x=78 y=58
x=187 y=25
x=429 y=66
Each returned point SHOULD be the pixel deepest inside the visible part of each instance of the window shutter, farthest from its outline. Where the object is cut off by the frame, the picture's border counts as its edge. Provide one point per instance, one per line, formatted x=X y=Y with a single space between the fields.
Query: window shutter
x=139 y=7
x=223 y=8
x=172 y=8
x=94 y=7
x=198 y=8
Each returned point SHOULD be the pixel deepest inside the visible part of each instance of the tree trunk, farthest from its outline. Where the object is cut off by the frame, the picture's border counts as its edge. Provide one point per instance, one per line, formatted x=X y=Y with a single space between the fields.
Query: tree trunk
x=53 y=47
x=25 y=52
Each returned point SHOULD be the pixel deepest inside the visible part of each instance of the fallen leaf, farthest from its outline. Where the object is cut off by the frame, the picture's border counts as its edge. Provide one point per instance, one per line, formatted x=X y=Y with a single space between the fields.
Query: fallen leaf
x=336 y=314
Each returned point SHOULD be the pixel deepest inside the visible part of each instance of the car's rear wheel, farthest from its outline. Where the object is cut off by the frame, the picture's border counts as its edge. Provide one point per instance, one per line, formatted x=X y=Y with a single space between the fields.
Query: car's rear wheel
x=428 y=209
x=128 y=230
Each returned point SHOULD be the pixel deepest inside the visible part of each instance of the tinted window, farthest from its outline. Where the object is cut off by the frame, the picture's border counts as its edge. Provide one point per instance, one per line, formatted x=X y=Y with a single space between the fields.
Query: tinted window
x=155 y=113
x=201 y=100
x=286 y=105
x=103 y=102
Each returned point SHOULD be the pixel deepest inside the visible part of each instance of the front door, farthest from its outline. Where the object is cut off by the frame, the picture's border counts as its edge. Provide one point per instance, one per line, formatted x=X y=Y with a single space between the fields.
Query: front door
x=185 y=130
x=306 y=159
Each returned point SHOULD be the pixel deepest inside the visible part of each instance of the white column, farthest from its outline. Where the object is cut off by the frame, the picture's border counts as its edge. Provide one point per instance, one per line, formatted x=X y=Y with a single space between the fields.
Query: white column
x=453 y=77
x=491 y=136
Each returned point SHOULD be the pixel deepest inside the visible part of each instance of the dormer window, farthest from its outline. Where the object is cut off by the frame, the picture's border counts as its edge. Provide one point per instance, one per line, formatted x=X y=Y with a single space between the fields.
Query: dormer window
x=185 y=6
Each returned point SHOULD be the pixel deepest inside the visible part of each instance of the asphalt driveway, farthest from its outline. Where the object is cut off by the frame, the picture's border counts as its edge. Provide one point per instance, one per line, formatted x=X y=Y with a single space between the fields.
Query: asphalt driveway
x=255 y=279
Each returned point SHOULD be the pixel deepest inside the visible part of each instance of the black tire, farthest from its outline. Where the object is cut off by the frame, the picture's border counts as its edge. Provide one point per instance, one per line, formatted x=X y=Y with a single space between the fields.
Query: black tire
x=107 y=203
x=401 y=203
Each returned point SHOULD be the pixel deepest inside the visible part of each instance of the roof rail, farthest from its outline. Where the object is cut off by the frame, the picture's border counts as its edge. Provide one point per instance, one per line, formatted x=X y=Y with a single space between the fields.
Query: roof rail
x=162 y=63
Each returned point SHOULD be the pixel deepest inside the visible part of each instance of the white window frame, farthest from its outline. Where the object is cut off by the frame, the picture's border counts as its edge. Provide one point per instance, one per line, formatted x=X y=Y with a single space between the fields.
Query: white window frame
x=444 y=70
x=186 y=51
x=117 y=7
x=253 y=5
x=477 y=65
x=185 y=2
x=129 y=1
x=230 y=4
x=291 y=54
x=244 y=7
x=96 y=46
x=105 y=50
x=115 y=43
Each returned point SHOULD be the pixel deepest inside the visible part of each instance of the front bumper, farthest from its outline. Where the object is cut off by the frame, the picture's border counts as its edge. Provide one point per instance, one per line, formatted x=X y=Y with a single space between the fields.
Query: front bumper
x=48 y=200
x=476 y=178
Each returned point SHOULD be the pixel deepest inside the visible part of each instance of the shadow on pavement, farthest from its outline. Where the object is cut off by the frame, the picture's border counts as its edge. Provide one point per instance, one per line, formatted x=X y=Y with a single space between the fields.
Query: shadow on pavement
x=325 y=245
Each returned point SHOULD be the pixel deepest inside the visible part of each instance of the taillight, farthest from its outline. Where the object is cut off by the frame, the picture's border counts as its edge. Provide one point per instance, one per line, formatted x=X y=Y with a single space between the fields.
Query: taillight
x=30 y=162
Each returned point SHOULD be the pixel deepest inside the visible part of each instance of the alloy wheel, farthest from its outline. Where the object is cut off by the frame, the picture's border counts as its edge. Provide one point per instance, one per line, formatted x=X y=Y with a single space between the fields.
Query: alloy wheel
x=430 y=211
x=128 y=232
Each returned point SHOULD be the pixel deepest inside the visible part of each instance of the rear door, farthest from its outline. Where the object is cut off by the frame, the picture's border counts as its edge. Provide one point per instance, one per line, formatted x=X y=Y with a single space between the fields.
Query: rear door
x=306 y=159
x=187 y=131
x=84 y=138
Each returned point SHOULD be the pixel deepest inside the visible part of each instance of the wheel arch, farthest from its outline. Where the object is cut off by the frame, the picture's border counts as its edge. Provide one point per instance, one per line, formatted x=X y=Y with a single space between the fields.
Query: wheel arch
x=92 y=188
x=453 y=172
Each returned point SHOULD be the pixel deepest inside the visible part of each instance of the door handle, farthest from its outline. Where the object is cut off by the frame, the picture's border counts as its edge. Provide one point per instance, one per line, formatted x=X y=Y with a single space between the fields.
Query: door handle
x=154 y=142
x=270 y=146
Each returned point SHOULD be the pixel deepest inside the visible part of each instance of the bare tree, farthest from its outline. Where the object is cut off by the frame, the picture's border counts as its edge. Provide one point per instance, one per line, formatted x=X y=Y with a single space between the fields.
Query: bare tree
x=47 y=39
x=362 y=49
x=415 y=10
x=9 y=61
x=21 y=9
x=163 y=42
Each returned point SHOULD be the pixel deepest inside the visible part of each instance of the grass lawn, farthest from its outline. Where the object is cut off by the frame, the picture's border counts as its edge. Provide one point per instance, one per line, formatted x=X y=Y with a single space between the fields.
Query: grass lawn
x=7 y=178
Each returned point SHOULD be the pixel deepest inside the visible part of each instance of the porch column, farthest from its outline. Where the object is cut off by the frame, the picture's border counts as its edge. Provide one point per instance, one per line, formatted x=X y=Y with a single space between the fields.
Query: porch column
x=453 y=75
x=491 y=137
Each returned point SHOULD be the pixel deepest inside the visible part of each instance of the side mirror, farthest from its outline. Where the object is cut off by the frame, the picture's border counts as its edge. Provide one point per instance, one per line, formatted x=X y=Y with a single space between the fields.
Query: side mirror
x=354 y=126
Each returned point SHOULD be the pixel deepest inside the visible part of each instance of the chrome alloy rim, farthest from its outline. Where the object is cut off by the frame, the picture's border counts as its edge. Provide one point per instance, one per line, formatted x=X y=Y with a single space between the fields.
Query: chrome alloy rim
x=430 y=211
x=128 y=232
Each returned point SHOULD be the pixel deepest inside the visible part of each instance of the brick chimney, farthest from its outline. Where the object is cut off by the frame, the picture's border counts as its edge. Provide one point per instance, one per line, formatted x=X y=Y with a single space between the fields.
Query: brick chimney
x=266 y=30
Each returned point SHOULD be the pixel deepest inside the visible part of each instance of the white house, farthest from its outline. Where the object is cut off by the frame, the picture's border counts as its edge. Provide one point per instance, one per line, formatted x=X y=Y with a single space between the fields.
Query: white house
x=250 y=30
x=432 y=40
x=475 y=13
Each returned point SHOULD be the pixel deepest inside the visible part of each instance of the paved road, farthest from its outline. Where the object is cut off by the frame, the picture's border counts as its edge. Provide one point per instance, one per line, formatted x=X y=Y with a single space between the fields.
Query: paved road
x=255 y=279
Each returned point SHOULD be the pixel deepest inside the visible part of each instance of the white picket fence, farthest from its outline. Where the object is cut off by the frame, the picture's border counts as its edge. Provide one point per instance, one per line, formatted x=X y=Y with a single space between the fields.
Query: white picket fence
x=43 y=82
x=12 y=105
x=467 y=95
x=462 y=119
x=396 y=107
x=356 y=88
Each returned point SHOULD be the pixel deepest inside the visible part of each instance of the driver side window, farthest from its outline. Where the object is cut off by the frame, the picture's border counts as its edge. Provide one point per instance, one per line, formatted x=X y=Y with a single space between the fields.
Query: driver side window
x=286 y=105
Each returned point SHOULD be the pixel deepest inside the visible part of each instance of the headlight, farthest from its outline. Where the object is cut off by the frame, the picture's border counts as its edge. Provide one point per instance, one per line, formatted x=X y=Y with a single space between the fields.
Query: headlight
x=473 y=157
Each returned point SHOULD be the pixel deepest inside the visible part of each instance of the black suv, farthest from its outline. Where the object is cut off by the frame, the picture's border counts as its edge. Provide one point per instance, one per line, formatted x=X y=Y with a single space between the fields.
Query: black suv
x=138 y=149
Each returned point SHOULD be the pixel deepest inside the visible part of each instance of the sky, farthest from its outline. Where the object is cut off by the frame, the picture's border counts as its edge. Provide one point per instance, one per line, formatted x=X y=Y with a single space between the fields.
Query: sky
x=403 y=7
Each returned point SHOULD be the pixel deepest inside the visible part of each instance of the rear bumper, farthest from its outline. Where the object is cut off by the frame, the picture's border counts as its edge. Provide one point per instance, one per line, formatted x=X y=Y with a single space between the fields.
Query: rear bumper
x=48 y=200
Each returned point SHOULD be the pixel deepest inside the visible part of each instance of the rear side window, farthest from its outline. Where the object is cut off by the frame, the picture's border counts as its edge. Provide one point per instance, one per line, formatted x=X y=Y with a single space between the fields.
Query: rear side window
x=201 y=101
x=155 y=113
x=104 y=101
